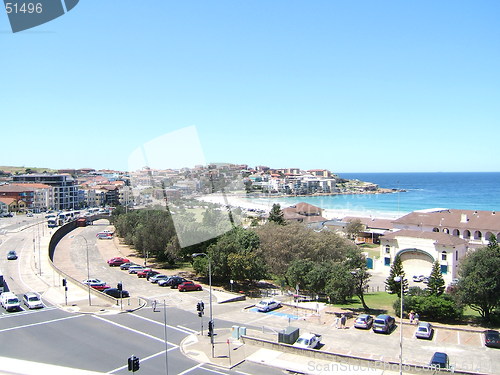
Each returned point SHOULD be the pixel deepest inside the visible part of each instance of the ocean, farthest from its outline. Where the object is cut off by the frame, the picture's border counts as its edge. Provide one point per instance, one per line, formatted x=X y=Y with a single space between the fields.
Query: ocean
x=460 y=190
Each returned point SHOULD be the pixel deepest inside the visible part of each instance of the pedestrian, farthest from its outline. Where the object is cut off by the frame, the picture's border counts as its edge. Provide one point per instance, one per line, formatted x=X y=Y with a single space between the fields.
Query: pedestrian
x=337 y=322
x=412 y=316
x=342 y=321
x=415 y=318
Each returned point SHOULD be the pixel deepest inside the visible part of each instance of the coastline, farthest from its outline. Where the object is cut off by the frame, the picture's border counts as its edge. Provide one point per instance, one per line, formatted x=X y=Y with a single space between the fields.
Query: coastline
x=265 y=205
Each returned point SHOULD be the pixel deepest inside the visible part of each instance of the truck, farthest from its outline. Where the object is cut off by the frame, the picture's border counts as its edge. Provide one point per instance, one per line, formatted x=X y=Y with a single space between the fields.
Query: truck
x=308 y=341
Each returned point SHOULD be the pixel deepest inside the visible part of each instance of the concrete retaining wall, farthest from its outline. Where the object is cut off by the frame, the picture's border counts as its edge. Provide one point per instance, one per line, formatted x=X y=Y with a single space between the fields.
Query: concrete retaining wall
x=352 y=361
x=54 y=240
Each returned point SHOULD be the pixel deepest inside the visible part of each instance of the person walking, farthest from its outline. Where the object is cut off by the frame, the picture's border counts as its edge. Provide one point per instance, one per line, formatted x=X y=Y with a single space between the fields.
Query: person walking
x=415 y=318
x=337 y=322
x=342 y=321
x=411 y=316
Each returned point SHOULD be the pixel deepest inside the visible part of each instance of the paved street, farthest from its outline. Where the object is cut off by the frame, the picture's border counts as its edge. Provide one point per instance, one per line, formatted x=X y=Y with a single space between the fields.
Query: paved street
x=103 y=340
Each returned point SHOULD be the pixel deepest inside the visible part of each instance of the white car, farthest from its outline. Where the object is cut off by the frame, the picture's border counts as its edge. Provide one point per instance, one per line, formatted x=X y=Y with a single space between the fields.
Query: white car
x=94 y=282
x=267 y=305
x=308 y=341
x=32 y=300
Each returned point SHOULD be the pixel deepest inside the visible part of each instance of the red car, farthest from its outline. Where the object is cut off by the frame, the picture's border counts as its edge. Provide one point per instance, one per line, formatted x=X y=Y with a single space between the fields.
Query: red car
x=188 y=286
x=117 y=261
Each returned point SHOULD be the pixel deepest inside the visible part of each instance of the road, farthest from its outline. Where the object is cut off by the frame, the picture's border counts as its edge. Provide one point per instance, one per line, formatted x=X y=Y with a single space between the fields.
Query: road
x=141 y=333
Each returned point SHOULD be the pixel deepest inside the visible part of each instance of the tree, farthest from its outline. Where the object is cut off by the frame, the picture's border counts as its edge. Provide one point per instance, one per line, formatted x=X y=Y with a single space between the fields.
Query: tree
x=297 y=273
x=339 y=286
x=356 y=263
x=479 y=285
x=353 y=228
x=394 y=287
x=276 y=215
x=435 y=286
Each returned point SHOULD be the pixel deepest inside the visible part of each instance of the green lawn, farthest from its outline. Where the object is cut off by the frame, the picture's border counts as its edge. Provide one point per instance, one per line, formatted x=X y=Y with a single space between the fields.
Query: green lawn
x=379 y=302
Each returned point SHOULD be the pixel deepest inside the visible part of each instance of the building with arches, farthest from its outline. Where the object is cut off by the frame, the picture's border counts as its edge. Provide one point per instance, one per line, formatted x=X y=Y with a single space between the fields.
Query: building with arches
x=445 y=235
x=419 y=250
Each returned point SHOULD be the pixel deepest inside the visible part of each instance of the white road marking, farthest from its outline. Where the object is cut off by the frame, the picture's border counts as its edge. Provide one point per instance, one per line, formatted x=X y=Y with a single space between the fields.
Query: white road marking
x=191 y=369
x=135 y=330
x=40 y=323
x=181 y=329
x=142 y=359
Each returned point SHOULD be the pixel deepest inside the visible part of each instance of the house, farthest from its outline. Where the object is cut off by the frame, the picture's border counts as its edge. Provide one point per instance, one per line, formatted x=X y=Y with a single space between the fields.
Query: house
x=374 y=228
x=303 y=213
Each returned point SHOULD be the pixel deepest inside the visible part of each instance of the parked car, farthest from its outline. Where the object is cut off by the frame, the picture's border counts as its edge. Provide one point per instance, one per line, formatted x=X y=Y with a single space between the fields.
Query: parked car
x=363 y=321
x=491 y=338
x=114 y=292
x=418 y=278
x=267 y=305
x=135 y=269
x=9 y=301
x=156 y=279
x=440 y=360
x=424 y=330
x=147 y=273
x=96 y=284
x=189 y=286
x=173 y=282
x=12 y=255
x=308 y=341
x=32 y=300
x=125 y=266
x=117 y=261
x=383 y=323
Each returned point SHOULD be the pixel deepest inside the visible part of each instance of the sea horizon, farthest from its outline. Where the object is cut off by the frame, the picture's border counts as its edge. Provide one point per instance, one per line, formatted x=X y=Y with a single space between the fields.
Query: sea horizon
x=422 y=190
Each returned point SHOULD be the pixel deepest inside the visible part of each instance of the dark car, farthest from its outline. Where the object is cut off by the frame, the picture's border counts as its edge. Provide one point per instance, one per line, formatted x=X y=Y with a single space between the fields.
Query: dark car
x=440 y=360
x=117 y=261
x=363 y=321
x=189 y=286
x=383 y=323
x=492 y=338
x=114 y=292
x=173 y=282
x=11 y=255
x=146 y=273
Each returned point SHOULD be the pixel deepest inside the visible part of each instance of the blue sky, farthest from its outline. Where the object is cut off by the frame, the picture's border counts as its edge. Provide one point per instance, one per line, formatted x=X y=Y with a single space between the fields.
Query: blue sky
x=351 y=86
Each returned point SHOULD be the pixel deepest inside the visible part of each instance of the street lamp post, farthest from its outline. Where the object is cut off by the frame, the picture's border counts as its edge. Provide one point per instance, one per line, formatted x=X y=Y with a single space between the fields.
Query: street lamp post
x=399 y=279
x=211 y=322
x=88 y=266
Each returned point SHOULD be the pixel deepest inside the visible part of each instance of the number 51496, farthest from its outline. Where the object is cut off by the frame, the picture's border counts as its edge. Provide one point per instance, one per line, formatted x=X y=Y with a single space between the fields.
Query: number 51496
x=23 y=8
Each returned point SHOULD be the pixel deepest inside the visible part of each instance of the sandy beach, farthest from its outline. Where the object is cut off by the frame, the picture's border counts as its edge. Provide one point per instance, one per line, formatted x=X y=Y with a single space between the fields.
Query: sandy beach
x=266 y=204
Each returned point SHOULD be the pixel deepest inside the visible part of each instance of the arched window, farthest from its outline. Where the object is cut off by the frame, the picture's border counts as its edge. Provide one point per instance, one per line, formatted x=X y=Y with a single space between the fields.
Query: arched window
x=478 y=235
x=488 y=235
x=446 y=230
x=456 y=232
x=443 y=255
x=387 y=249
x=435 y=230
x=467 y=234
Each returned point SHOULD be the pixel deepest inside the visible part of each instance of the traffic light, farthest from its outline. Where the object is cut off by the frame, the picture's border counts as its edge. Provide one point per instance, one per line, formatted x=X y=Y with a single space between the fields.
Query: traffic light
x=198 y=306
x=119 y=286
x=200 y=313
x=133 y=363
x=64 y=282
x=210 y=327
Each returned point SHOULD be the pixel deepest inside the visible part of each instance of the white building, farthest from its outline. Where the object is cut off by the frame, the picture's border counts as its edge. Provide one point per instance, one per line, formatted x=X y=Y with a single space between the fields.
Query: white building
x=419 y=250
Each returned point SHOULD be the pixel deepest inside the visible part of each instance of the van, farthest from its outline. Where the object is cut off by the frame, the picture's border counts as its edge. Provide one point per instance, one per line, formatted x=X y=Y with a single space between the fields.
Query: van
x=9 y=301
x=383 y=323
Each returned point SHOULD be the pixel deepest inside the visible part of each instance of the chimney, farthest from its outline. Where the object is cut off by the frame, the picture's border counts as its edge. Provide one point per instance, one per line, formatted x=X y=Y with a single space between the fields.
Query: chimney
x=464 y=218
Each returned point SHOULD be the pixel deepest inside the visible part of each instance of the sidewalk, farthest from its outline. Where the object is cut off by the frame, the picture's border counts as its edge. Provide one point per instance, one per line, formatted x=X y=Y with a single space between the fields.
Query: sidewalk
x=38 y=275
x=227 y=352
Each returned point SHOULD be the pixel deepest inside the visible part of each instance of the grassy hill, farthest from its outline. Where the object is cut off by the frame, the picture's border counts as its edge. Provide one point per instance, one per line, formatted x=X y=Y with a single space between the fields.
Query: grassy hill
x=21 y=170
